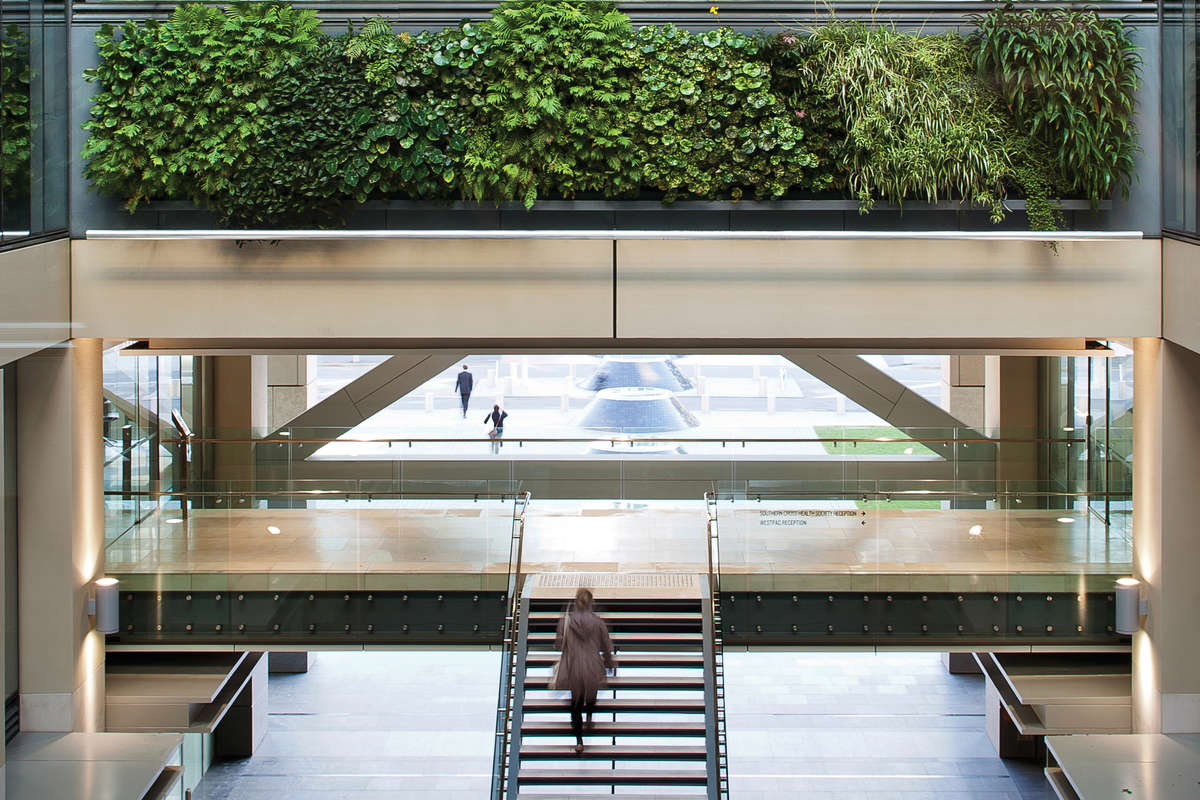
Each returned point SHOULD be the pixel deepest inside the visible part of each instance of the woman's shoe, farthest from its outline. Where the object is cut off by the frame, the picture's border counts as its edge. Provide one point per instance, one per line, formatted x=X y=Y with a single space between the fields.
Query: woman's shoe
x=579 y=748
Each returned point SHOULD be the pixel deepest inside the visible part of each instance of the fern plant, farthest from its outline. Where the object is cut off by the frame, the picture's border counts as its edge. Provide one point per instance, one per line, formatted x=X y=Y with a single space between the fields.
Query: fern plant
x=555 y=117
x=1069 y=78
x=180 y=100
x=431 y=86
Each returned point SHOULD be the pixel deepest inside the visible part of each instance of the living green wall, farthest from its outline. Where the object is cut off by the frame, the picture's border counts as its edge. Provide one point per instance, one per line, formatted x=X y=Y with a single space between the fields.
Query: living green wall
x=254 y=112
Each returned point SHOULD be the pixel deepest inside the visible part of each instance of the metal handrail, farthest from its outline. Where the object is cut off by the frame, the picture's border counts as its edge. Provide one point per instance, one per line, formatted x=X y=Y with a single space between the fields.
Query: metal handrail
x=639 y=438
x=716 y=648
x=504 y=704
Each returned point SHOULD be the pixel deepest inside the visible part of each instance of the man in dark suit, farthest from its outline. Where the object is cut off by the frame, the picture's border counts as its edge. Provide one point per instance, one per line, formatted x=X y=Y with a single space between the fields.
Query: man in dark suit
x=465 y=383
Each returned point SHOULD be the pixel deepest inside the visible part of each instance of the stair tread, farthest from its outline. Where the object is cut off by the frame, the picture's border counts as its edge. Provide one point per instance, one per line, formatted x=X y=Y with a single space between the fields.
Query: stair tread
x=623 y=615
x=605 y=705
x=657 y=777
x=609 y=752
x=634 y=635
x=672 y=796
x=626 y=682
x=544 y=658
x=646 y=729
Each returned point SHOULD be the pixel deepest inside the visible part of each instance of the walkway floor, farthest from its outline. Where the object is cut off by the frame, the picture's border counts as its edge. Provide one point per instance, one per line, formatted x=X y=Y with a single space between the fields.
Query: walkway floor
x=837 y=726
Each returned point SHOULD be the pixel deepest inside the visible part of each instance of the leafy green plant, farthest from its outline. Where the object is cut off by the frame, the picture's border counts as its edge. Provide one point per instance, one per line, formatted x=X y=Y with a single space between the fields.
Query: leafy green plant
x=432 y=86
x=555 y=117
x=706 y=122
x=254 y=112
x=15 y=76
x=296 y=168
x=795 y=78
x=180 y=100
x=1069 y=78
x=919 y=123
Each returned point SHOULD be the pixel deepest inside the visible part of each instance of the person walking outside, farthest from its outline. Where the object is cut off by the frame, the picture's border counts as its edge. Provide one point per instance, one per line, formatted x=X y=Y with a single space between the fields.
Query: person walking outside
x=464 y=384
x=585 y=655
x=496 y=418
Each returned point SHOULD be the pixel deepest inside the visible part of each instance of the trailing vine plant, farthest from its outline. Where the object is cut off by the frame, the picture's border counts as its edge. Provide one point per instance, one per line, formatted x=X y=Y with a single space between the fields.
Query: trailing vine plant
x=1069 y=78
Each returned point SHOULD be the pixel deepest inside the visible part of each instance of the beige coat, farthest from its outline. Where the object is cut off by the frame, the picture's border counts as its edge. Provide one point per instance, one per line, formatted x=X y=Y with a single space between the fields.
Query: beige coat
x=586 y=652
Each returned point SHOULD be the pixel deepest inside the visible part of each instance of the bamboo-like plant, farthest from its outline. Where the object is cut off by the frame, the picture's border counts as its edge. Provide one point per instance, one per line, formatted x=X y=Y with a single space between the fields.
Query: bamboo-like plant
x=919 y=123
x=1069 y=77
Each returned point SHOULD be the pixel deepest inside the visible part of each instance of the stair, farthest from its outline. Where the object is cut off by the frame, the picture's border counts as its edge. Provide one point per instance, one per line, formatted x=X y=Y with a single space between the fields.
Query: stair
x=655 y=724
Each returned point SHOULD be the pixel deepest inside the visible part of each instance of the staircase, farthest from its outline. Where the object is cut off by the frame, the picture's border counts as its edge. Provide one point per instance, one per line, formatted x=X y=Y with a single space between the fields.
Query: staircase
x=656 y=725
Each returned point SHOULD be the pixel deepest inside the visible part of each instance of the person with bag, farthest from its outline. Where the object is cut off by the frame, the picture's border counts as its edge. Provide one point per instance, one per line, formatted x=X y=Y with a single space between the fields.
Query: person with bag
x=585 y=655
x=496 y=417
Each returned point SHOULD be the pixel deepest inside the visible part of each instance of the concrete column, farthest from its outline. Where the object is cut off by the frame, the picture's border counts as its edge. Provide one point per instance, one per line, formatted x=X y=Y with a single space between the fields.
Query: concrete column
x=291 y=388
x=1166 y=547
x=60 y=455
x=239 y=395
x=8 y=521
x=963 y=379
x=1011 y=411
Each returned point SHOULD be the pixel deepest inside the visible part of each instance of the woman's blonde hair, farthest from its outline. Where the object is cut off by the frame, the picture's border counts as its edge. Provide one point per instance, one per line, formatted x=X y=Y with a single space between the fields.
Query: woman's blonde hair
x=583 y=599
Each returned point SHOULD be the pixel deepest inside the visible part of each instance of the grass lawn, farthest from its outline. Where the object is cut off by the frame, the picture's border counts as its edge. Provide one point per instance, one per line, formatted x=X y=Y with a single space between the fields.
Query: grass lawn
x=904 y=446
x=895 y=505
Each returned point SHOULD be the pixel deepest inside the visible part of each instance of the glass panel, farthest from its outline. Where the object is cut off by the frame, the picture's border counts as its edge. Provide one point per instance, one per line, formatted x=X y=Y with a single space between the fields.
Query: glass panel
x=1179 y=109
x=33 y=119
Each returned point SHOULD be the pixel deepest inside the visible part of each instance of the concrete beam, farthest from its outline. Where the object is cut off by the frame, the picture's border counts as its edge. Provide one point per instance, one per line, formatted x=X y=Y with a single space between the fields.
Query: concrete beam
x=876 y=391
x=370 y=393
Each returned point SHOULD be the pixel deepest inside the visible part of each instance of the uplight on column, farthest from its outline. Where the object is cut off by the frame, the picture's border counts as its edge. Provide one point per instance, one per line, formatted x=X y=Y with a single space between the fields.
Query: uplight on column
x=1129 y=592
x=107 y=605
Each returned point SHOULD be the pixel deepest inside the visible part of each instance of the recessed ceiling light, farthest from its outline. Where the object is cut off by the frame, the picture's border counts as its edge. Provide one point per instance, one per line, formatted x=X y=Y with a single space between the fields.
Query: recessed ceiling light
x=1127 y=581
x=1068 y=428
x=975 y=530
x=285 y=433
x=1066 y=520
x=174 y=521
x=273 y=530
x=908 y=451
